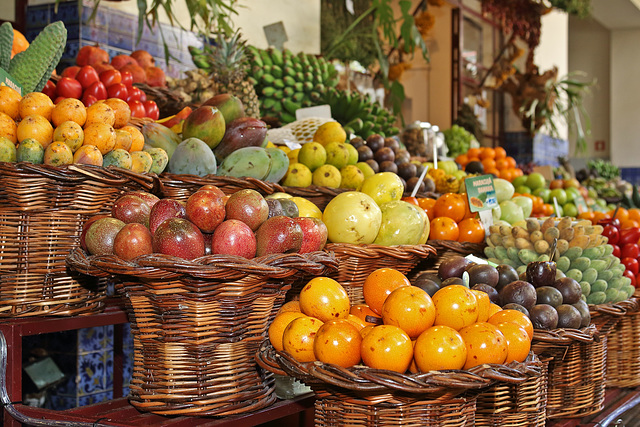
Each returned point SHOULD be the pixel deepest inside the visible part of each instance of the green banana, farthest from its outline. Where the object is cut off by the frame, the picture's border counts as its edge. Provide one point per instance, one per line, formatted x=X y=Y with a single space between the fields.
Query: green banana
x=268 y=103
x=276 y=70
x=297 y=97
x=266 y=58
x=289 y=81
x=255 y=56
x=287 y=118
x=278 y=83
x=268 y=91
x=268 y=79
x=276 y=56
x=290 y=106
x=288 y=91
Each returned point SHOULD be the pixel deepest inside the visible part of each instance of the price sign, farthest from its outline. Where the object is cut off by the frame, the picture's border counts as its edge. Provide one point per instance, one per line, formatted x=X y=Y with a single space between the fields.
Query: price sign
x=481 y=193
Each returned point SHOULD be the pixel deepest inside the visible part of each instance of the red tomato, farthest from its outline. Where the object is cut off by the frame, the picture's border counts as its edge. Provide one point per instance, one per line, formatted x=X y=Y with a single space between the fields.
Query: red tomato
x=110 y=77
x=152 y=110
x=98 y=90
x=70 y=71
x=630 y=250
x=611 y=232
x=631 y=264
x=88 y=100
x=143 y=96
x=629 y=274
x=616 y=251
x=118 y=90
x=87 y=76
x=58 y=99
x=127 y=79
x=49 y=89
x=629 y=235
x=137 y=109
x=134 y=94
x=69 y=88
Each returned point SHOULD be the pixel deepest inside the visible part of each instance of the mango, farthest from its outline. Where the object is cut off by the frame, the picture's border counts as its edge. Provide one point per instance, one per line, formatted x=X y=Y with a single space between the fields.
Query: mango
x=194 y=157
x=119 y=158
x=279 y=164
x=160 y=159
x=7 y=150
x=159 y=136
x=240 y=133
x=207 y=124
x=229 y=105
x=253 y=162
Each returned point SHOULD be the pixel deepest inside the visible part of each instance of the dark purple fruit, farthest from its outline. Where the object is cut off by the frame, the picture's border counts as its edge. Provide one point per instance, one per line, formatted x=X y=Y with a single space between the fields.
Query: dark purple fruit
x=452 y=281
x=275 y=207
x=506 y=275
x=452 y=266
x=407 y=170
x=384 y=154
x=392 y=143
x=520 y=292
x=357 y=141
x=549 y=295
x=541 y=273
x=411 y=183
x=543 y=316
x=514 y=306
x=403 y=156
x=569 y=288
x=388 y=166
x=419 y=169
x=494 y=297
x=375 y=142
x=429 y=184
x=426 y=284
x=483 y=273
x=585 y=314
x=373 y=165
x=364 y=153
x=568 y=317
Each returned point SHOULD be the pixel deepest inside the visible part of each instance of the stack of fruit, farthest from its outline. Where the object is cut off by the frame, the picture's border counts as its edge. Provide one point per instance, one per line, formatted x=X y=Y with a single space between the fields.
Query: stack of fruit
x=456 y=328
x=67 y=132
x=243 y=224
x=489 y=160
x=583 y=254
x=624 y=241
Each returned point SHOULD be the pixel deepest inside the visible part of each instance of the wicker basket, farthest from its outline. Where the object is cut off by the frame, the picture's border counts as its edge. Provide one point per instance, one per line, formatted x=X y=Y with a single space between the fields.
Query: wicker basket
x=445 y=249
x=577 y=370
x=42 y=210
x=606 y=316
x=180 y=187
x=362 y=396
x=521 y=404
x=169 y=102
x=623 y=348
x=197 y=325
x=356 y=262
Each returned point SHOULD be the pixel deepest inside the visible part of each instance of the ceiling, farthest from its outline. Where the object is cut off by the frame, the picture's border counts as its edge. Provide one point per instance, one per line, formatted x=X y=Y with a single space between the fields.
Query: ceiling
x=617 y=14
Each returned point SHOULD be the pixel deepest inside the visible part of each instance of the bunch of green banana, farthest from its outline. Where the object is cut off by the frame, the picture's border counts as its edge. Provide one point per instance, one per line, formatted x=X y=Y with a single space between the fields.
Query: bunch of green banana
x=358 y=114
x=285 y=82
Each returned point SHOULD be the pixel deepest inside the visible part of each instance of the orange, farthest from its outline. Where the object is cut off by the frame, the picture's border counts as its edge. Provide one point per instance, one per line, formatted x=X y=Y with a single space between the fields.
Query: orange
x=325 y=299
x=622 y=214
x=487 y=153
x=467 y=208
x=502 y=164
x=427 y=204
x=298 y=338
x=278 y=325
x=409 y=308
x=88 y=155
x=587 y=215
x=456 y=307
x=387 y=347
x=338 y=342
x=485 y=344
x=8 y=127
x=10 y=102
x=629 y=223
x=462 y=160
x=70 y=133
x=443 y=228
x=100 y=112
x=518 y=341
x=484 y=305
x=293 y=305
x=473 y=153
x=501 y=153
x=634 y=214
x=493 y=309
x=137 y=138
x=362 y=311
x=379 y=284
x=471 y=230
x=121 y=110
x=511 y=162
x=513 y=316
x=364 y=331
x=493 y=171
x=507 y=174
x=488 y=163
x=69 y=109
x=101 y=135
x=123 y=140
x=440 y=347
x=356 y=321
x=517 y=172
x=597 y=216
x=450 y=205
x=36 y=103
x=36 y=127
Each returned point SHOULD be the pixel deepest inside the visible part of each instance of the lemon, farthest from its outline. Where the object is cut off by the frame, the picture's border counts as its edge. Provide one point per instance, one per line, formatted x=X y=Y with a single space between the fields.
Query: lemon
x=330 y=132
x=293 y=155
x=306 y=208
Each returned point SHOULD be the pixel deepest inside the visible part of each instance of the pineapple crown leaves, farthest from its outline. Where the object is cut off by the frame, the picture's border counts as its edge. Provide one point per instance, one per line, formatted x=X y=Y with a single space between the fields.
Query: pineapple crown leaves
x=222 y=56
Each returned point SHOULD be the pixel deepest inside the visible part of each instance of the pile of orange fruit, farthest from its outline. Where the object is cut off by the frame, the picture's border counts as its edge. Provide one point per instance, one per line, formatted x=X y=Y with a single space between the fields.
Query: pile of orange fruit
x=451 y=219
x=399 y=327
x=628 y=218
x=494 y=161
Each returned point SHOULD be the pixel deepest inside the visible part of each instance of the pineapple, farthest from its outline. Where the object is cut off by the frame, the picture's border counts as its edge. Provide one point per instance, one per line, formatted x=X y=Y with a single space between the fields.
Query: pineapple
x=229 y=62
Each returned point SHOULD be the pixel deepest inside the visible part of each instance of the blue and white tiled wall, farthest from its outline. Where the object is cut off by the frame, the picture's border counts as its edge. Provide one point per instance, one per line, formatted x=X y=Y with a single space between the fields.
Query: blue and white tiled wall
x=85 y=356
x=115 y=31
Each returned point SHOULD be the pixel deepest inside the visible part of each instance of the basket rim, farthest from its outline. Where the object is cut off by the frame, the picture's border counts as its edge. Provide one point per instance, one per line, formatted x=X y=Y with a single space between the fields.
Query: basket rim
x=562 y=337
x=373 y=250
x=167 y=178
x=364 y=379
x=227 y=267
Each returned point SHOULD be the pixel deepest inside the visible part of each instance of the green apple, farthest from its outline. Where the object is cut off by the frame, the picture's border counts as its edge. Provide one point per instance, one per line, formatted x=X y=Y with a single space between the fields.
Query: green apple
x=504 y=189
x=522 y=189
x=511 y=212
x=569 y=209
x=544 y=193
x=519 y=180
x=536 y=180
x=559 y=194
x=572 y=194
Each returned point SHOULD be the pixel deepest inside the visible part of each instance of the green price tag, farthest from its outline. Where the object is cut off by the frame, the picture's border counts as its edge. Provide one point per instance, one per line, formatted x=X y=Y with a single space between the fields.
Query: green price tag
x=581 y=205
x=7 y=80
x=481 y=193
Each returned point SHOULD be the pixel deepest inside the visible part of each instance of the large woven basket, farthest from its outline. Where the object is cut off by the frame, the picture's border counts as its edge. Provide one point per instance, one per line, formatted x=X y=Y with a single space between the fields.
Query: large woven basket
x=181 y=186
x=577 y=370
x=197 y=325
x=361 y=396
x=606 y=316
x=445 y=249
x=356 y=262
x=42 y=210
x=623 y=348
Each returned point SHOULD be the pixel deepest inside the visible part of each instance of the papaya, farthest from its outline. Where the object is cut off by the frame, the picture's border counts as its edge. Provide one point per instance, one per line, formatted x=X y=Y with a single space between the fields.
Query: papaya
x=194 y=157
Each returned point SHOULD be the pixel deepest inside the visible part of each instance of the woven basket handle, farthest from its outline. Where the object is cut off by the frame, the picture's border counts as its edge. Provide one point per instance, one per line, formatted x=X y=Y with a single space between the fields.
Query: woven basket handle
x=614 y=310
x=505 y=373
